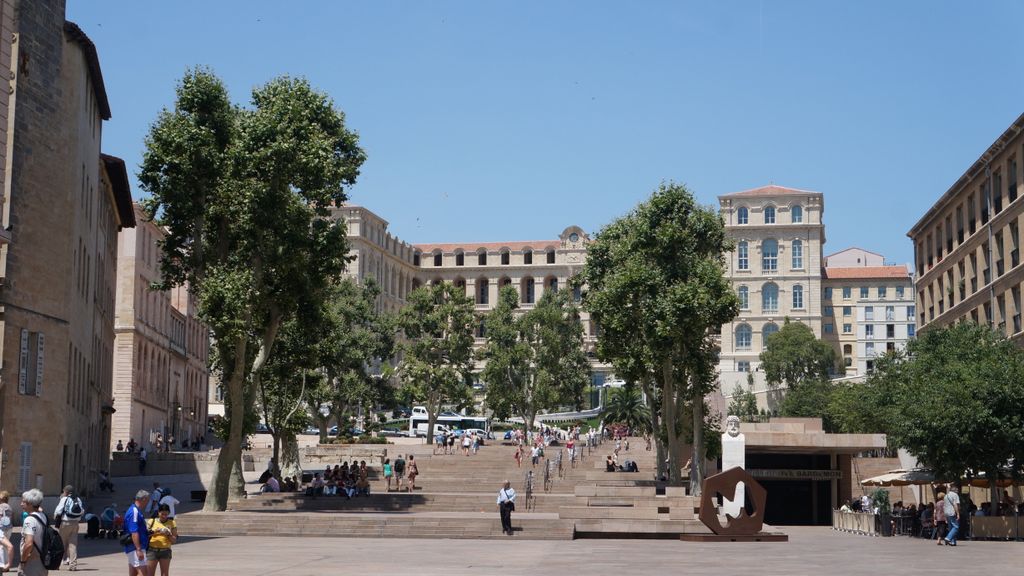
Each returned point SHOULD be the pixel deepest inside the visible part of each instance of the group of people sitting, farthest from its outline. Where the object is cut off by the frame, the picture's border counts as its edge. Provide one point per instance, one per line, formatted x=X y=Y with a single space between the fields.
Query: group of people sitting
x=342 y=480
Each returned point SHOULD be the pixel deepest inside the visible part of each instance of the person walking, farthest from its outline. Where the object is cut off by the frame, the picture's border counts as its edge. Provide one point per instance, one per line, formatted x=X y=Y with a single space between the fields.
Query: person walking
x=143 y=456
x=399 y=472
x=135 y=525
x=939 y=518
x=506 y=505
x=387 y=473
x=6 y=515
x=164 y=533
x=32 y=529
x=519 y=456
x=67 y=514
x=951 y=506
x=414 y=471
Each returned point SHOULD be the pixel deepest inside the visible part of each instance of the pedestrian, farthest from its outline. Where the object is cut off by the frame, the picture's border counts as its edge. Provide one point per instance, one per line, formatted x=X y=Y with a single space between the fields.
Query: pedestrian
x=399 y=472
x=135 y=525
x=939 y=517
x=32 y=528
x=6 y=515
x=154 y=501
x=519 y=456
x=159 y=442
x=414 y=471
x=387 y=473
x=163 y=534
x=67 y=515
x=120 y=446
x=476 y=443
x=142 y=461
x=465 y=443
x=6 y=553
x=951 y=506
x=439 y=442
x=506 y=505
x=171 y=502
x=534 y=455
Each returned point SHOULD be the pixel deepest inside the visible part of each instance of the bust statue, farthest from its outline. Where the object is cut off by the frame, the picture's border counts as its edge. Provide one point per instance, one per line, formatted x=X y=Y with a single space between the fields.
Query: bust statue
x=734 y=447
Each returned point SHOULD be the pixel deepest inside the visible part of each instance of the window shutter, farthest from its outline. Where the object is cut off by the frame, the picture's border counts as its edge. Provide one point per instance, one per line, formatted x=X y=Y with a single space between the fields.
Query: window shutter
x=39 y=364
x=23 y=363
x=26 y=466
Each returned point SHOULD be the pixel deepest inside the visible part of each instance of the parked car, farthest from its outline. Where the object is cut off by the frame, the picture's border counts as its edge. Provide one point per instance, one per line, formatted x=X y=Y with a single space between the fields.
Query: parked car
x=391 y=432
x=261 y=428
x=332 y=431
x=312 y=430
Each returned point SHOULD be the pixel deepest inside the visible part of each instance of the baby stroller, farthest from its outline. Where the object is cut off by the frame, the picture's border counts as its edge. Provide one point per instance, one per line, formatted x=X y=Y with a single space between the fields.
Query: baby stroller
x=111 y=523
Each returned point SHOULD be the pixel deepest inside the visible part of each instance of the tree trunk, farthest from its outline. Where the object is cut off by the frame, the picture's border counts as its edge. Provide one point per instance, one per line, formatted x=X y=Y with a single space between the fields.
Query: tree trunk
x=433 y=405
x=277 y=452
x=668 y=413
x=290 y=463
x=237 y=484
x=659 y=446
x=230 y=453
x=697 y=466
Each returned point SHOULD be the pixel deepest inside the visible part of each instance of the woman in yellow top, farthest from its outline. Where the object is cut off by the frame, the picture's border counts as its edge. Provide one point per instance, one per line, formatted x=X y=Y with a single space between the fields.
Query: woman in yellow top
x=163 y=532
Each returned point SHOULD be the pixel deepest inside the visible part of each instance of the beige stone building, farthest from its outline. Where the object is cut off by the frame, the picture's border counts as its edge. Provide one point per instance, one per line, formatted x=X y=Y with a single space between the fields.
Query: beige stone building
x=63 y=205
x=161 y=349
x=867 y=308
x=967 y=245
x=776 y=271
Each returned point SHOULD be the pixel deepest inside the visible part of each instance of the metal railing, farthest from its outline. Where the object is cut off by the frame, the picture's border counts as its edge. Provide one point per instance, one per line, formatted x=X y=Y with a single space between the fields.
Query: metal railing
x=855 y=522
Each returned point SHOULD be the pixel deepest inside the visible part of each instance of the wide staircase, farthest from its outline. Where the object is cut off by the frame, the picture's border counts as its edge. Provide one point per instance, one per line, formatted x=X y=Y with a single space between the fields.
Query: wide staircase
x=455 y=497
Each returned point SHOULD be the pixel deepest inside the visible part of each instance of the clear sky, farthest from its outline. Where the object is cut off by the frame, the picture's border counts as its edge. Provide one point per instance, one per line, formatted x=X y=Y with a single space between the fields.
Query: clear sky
x=492 y=121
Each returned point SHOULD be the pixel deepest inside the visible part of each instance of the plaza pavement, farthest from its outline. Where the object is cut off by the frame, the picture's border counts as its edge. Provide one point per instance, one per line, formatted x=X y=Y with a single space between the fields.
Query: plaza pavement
x=810 y=551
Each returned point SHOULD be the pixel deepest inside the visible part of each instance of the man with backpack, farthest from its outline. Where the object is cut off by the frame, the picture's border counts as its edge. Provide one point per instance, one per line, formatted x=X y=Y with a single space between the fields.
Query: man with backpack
x=41 y=546
x=399 y=471
x=68 y=513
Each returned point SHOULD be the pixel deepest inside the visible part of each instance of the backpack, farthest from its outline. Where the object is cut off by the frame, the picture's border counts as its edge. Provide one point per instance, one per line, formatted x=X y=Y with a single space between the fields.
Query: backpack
x=73 y=509
x=51 y=549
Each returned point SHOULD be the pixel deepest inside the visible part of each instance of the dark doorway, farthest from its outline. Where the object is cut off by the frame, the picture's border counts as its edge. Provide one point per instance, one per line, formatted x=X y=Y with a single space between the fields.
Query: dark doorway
x=795 y=502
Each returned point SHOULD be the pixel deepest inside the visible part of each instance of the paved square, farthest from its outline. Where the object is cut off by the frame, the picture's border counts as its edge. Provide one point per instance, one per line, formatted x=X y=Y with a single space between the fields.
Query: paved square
x=811 y=551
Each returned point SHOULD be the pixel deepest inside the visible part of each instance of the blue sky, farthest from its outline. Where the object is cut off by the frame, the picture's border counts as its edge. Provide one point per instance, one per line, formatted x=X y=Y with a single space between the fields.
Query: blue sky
x=490 y=121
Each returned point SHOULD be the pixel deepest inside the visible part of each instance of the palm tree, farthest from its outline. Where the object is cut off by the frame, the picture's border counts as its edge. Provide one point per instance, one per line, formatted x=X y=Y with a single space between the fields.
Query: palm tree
x=626 y=406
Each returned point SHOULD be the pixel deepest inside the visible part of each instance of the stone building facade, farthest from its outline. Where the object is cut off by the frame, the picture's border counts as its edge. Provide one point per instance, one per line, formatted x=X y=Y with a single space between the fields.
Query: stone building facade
x=161 y=349
x=57 y=266
x=967 y=245
x=867 y=309
x=776 y=270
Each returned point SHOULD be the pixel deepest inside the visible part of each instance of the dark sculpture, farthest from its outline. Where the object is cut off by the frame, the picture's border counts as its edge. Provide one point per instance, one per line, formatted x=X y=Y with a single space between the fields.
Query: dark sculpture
x=725 y=483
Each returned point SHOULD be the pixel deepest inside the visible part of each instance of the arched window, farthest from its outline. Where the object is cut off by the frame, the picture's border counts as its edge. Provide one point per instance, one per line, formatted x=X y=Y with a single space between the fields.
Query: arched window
x=743 y=256
x=505 y=281
x=796 y=214
x=528 y=290
x=527 y=256
x=460 y=258
x=553 y=284
x=798 y=297
x=551 y=255
x=769 y=256
x=481 y=258
x=770 y=298
x=744 y=297
x=460 y=283
x=504 y=257
x=744 y=337
x=797 y=254
x=437 y=258
x=483 y=288
x=769 y=329
x=742 y=215
x=577 y=294
x=769 y=215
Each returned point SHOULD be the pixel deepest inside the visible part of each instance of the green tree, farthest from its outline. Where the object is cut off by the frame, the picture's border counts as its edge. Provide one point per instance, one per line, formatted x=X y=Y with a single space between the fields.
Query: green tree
x=954 y=399
x=793 y=355
x=534 y=360
x=626 y=406
x=437 y=325
x=656 y=287
x=244 y=194
x=743 y=403
x=811 y=399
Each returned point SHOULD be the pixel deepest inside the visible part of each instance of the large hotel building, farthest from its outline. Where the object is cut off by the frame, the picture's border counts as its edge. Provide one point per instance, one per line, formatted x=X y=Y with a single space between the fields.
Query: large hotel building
x=967 y=246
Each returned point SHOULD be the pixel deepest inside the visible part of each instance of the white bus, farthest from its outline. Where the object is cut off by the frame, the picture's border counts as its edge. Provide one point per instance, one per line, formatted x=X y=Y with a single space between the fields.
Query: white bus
x=446 y=421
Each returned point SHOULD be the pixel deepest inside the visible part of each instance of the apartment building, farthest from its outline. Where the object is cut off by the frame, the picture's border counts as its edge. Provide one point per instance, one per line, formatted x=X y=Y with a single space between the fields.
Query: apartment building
x=867 y=308
x=161 y=349
x=64 y=203
x=967 y=245
x=776 y=270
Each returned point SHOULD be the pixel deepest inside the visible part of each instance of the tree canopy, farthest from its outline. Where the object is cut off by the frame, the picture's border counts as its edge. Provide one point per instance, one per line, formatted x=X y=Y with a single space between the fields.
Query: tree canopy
x=626 y=406
x=656 y=288
x=534 y=359
x=244 y=195
x=794 y=355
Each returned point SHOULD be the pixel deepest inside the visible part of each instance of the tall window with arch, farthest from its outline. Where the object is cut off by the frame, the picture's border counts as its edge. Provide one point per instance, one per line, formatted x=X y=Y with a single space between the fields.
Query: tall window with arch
x=744 y=297
x=743 y=215
x=769 y=329
x=769 y=214
x=796 y=214
x=769 y=255
x=528 y=290
x=482 y=291
x=743 y=256
x=744 y=337
x=797 y=253
x=552 y=284
x=798 y=297
x=770 y=298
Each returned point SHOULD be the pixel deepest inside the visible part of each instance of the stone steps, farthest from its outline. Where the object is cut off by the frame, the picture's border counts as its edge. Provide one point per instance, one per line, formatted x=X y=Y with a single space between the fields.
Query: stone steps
x=341 y=525
x=418 y=502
